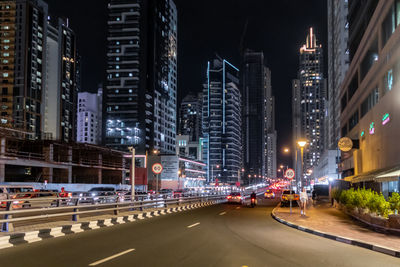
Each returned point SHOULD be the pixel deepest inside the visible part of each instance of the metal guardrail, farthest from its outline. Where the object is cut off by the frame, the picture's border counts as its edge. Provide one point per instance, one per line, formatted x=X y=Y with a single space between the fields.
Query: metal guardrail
x=72 y=206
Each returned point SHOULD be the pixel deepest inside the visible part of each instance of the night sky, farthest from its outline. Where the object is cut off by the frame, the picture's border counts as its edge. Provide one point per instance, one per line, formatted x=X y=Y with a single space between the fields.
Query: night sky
x=207 y=27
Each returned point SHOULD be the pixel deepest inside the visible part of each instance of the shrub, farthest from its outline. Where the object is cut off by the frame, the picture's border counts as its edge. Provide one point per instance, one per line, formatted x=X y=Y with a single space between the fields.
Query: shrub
x=394 y=201
x=374 y=202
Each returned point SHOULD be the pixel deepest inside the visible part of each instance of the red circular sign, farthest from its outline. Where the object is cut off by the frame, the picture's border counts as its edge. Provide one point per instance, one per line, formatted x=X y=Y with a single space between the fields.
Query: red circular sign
x=157 y=168
x=289 y=174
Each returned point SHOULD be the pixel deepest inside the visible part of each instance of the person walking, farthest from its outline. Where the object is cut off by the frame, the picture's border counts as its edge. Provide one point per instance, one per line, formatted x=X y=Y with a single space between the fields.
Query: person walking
x=303 y=201
x=314 y=197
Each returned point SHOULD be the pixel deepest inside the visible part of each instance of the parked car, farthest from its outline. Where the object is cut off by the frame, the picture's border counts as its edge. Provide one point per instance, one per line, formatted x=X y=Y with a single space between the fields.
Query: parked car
x=37 y=199
x=103 y=194
x=8 y=191
x=287 y=195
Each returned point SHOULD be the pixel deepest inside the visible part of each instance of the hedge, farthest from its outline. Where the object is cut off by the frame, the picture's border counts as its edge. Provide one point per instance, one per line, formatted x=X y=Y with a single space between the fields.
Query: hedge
x=368 y=199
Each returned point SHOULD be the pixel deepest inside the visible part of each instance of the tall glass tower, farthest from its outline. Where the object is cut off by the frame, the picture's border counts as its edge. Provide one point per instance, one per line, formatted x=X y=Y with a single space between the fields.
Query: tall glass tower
x=140 y=95
x=222 y=122
x=312 y=99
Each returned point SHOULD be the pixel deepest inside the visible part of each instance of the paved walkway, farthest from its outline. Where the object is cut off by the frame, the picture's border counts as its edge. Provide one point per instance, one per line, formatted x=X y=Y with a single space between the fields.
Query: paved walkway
x=330 y=220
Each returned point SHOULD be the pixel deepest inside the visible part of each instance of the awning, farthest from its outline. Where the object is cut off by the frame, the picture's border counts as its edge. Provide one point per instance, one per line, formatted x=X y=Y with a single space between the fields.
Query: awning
x=381 y=175
x=348 y=178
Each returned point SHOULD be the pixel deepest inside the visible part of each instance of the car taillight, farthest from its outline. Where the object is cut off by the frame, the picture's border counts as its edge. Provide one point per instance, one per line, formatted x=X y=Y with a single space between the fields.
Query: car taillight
x=229 y=197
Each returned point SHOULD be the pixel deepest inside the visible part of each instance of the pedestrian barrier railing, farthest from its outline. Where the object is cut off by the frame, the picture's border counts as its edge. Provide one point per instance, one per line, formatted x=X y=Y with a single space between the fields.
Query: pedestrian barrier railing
x=52 y=207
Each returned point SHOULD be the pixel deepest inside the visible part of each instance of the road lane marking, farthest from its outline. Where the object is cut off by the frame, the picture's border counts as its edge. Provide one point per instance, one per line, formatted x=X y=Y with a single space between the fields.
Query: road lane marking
x=222 y=213
x=111 y=257
x=193 y=225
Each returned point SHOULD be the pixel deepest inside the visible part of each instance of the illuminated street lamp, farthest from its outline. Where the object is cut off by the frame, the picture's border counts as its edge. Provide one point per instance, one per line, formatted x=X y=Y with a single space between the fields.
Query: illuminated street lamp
x=286 y=150
x=301 y=143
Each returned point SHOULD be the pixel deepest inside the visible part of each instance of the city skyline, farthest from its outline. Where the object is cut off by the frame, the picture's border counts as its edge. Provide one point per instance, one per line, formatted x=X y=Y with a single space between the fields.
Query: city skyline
x=192 y=66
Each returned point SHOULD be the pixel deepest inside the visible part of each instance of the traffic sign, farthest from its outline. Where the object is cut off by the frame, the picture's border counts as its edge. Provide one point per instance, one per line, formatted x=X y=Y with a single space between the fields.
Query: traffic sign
x=157 y=168
x=289 y=174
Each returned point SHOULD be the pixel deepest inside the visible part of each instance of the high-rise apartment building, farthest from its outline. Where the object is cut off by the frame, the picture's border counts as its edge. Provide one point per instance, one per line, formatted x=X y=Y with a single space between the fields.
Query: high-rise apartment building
x=38 y=71
x=190 y=116
x=338 y=64
x=222 y=122
x=257 y=117
x=140 y=94
x=61 y=90
x=23 y=63
x=370 y=95
x=89 y=117
x=311 y=97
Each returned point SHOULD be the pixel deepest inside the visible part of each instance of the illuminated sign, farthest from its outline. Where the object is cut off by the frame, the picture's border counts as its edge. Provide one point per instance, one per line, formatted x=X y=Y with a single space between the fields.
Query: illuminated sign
x=362 y=133
x=385 y=119
x=372 y=128
x=345 y=144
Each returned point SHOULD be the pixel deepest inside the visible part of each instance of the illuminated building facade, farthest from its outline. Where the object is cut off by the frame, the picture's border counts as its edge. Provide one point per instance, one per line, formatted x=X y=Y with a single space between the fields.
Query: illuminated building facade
x=190 y=116
x=23 y=63
x=141 y=90
x=370 y=96
x=222 y=147
x=311 y=97
x=61 y=90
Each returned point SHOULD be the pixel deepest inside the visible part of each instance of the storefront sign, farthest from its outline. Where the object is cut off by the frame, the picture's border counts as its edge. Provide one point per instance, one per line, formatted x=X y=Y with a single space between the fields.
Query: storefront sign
x=345 y=144
x=385 y=119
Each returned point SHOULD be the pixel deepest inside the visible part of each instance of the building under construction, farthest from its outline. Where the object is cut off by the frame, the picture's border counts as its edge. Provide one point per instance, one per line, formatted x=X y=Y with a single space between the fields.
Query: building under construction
x=26 y=160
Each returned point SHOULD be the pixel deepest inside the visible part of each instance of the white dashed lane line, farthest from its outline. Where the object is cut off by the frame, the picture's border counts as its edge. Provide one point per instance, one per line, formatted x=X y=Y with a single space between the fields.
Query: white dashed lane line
x=193 y=225
x=111 y=257
x=222 y=213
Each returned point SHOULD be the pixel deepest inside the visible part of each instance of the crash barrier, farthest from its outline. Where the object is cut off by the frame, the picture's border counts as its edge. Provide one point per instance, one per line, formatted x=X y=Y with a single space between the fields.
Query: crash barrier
x=71 y=207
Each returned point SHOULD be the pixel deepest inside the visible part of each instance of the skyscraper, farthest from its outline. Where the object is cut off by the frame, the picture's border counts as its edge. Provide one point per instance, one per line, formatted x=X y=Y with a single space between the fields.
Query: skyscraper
x=23 y=64
x=222 y=121
x=338 y=64
x=140 y=94
x=257 y=117
x=190 y=116
x=38 y=71
x=312 y=99
x=61 y=91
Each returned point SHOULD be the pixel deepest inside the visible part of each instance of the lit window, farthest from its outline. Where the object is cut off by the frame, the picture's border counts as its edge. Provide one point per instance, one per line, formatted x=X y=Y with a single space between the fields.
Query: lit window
x=5 y=74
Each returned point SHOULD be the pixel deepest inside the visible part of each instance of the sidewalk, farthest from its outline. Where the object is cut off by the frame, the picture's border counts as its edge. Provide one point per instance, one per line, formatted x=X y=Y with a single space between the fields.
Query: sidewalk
x=334 y=224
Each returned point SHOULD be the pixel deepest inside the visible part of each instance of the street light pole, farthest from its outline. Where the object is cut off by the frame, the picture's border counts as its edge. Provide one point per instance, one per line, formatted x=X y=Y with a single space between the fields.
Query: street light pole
x=132 y=149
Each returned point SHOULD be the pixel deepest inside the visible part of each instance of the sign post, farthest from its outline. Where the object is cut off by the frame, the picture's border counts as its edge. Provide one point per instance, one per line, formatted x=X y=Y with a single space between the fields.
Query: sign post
x=290 y=175
x=157 y=168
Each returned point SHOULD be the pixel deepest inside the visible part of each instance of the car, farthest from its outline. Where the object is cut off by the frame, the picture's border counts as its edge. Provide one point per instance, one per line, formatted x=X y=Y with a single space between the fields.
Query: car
x=235 y=197
x=8 y=191
x=269 y=194
x=37 y=199
x=103 y=194
x=286 y=195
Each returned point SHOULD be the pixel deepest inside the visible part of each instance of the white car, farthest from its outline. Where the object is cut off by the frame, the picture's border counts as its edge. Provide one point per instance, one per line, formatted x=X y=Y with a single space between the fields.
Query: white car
x=235 y=197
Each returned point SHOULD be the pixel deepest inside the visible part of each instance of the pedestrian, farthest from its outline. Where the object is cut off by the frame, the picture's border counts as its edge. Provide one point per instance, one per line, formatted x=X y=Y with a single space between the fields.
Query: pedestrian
x=303 y=201
x=314 y=197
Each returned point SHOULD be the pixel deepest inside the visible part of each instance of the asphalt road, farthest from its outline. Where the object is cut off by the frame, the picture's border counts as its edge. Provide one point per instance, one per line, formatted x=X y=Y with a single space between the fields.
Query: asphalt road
x=220 y=235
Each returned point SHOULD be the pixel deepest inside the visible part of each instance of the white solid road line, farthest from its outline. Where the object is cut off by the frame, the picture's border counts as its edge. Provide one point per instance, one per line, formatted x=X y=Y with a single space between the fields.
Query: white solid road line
x=193 y=225
x=223 y=213
x=111 y=257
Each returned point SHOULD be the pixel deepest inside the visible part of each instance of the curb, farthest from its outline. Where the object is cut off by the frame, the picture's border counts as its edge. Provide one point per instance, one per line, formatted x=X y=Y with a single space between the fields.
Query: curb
x=39 y=235
x=387 y=251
